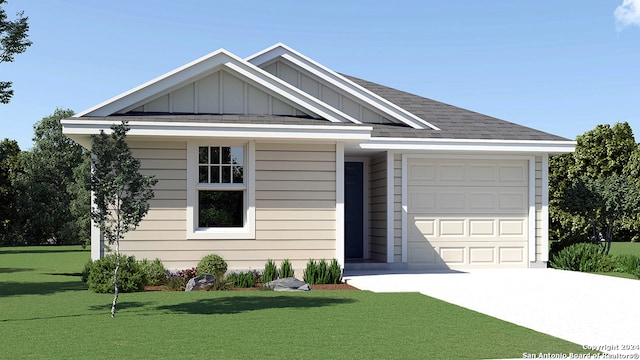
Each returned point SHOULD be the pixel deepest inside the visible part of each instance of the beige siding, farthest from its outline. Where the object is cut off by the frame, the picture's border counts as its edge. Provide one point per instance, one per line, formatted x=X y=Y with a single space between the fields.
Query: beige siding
x=378 y=208
x=220 y=92
x=295 y=208
x=332 y=96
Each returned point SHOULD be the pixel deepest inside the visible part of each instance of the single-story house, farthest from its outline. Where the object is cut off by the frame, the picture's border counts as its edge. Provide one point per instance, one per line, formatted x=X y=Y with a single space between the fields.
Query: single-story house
x=276 y=156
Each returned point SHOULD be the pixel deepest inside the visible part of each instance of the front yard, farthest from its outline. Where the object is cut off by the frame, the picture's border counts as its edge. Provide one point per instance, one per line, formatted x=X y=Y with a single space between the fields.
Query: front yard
x=47 y=312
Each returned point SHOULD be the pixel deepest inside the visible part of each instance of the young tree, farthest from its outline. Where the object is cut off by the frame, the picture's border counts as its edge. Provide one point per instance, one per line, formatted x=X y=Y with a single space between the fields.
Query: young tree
x=13 y=40
x=121 y=193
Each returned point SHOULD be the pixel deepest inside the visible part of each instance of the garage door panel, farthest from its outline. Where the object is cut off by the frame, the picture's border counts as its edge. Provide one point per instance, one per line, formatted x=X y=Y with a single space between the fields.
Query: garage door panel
x=467 y=213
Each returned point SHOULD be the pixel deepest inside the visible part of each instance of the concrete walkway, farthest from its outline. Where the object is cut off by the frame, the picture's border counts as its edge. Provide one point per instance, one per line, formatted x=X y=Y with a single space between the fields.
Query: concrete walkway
x=590 y=310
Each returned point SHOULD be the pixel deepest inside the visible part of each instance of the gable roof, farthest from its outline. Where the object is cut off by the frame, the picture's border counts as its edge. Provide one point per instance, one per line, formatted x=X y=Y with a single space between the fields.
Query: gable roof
x=206 y=65
x=418 y=122
x=339 y=82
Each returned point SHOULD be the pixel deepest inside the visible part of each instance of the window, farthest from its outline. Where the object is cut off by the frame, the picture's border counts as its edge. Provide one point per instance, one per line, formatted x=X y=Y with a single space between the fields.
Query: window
x=220 y=199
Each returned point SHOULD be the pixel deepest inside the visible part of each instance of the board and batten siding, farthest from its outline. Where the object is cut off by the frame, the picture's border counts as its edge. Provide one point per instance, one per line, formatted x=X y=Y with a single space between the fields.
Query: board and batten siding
x=378 y=208
x=295 y=208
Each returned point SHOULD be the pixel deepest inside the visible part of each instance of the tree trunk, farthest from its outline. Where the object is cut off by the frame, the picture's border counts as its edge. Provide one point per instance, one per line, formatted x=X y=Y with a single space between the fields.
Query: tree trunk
x=115 y=280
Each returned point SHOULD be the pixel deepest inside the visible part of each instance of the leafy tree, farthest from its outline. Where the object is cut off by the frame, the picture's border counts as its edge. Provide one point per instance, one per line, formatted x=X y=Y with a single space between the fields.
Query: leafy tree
x=9 y=163
x=604 y=202
x=120 y=191
x=13 y=40
x=53 y=186
x=600 y=153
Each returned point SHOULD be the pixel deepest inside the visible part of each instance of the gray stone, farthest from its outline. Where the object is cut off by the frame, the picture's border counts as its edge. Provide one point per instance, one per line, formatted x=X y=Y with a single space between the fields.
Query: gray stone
x=288 y=284
x=202 y=282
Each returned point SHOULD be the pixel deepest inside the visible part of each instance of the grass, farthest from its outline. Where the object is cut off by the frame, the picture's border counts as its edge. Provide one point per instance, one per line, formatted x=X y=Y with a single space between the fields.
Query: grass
x=47 y=312
x=619 y=248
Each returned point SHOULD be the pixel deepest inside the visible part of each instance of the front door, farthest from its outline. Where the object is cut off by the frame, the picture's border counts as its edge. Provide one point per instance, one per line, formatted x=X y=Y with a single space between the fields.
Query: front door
x=353 y=210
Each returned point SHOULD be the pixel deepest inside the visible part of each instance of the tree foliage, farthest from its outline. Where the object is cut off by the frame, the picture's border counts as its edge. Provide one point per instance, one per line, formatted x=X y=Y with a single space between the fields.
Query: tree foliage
x=14 y=39
x=53 y=187
x=594 y=191
x=9 y=164
x=121 y=192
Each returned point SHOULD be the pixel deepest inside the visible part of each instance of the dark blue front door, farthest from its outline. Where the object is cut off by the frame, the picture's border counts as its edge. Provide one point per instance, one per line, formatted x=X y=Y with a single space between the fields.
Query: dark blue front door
x=353 y=214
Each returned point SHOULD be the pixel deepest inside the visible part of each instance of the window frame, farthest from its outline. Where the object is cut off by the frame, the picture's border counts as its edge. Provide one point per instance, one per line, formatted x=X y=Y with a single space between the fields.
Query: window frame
x=247 y=231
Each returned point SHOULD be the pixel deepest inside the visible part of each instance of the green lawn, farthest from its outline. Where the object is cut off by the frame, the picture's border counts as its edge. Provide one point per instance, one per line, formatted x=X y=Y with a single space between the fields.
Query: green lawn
x=47 y=312
x=618 y=248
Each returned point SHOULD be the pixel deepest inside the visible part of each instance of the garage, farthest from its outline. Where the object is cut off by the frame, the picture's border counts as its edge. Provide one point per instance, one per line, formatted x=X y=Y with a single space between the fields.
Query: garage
x=466 y=212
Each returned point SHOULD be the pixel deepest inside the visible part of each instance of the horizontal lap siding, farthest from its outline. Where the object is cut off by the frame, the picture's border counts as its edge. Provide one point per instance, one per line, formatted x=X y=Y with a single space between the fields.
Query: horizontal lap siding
x=378 y=208
x=163 y=229
x=295 y=203
x=295 y=208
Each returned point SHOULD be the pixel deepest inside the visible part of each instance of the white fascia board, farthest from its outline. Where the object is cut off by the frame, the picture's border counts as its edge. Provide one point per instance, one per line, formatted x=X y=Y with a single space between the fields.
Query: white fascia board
x=159 y=84
x=222 y=130
x=551 y=147
x=340 y=82
x=287 y=91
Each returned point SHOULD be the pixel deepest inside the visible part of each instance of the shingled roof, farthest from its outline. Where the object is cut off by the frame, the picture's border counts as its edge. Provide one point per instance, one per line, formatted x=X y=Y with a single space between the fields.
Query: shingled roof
x=454 y=122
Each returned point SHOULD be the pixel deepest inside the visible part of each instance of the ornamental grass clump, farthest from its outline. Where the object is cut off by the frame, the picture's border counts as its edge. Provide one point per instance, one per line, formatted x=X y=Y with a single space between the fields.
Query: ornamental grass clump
x=286 y=269
x=243 y=279
x=311 y=272
x=335 y=272
x=270 y=271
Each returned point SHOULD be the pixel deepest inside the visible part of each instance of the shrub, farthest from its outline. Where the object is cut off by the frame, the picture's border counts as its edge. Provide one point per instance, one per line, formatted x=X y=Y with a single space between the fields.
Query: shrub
x=212 y=264
x=628 y=263
x=270 y=271
x=100 y=274
x=286 y=270
x=335 y=272
x=178 y=281
x=154 y=272
x=583 y=257
x=311 y=272
x=243 y=279
x=323 y=272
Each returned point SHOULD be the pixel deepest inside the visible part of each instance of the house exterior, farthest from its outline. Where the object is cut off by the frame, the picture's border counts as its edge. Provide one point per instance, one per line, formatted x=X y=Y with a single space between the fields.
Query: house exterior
x=277 y=157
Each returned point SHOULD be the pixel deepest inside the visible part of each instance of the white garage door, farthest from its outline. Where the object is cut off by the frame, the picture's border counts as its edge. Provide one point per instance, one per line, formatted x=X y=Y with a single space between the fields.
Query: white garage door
x=465 y=213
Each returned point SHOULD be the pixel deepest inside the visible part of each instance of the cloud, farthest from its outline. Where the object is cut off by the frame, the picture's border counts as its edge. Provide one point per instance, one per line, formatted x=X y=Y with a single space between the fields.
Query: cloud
x=627 y=14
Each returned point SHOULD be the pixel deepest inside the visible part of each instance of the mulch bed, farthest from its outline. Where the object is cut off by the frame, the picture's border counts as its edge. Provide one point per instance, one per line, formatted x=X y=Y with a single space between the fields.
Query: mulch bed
x=342 y=286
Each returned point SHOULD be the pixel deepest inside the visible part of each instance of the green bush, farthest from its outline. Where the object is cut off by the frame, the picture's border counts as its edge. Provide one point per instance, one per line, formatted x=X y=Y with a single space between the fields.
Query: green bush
x=583 y=257
x=286 y=269
x=100 y=274
x=310 y=275
x=154 y=272
x=270 y=271
x=628 y=263
x=323 y=272
x=212 y=264
x=243 y=279
x=335 y=272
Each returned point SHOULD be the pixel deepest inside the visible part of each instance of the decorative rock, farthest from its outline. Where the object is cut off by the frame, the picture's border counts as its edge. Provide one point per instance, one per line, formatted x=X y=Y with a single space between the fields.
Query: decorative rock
x=202 y=282
x=288 y=284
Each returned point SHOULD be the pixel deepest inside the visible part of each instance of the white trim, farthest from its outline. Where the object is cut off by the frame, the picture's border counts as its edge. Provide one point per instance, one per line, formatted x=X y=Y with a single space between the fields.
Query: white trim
x=337 y=81
x=87 y=126
x=340 y=203
x=97 y=240
x=248 y=231
x=532 y=210
x=391 y=207
x=545 y=208
x=405 y=208
x=365 y=203
x=472 y=145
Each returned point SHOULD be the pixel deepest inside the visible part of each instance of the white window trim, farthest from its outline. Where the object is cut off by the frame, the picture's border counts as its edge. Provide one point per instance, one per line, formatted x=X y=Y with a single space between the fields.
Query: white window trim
x=248 y=231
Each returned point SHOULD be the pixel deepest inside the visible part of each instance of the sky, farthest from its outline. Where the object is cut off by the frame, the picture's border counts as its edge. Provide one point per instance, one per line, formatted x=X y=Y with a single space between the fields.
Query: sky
x=558 y=66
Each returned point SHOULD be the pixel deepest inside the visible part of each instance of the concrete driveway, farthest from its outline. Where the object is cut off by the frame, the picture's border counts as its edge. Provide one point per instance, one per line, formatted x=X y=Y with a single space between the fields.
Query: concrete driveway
x=590 y=310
